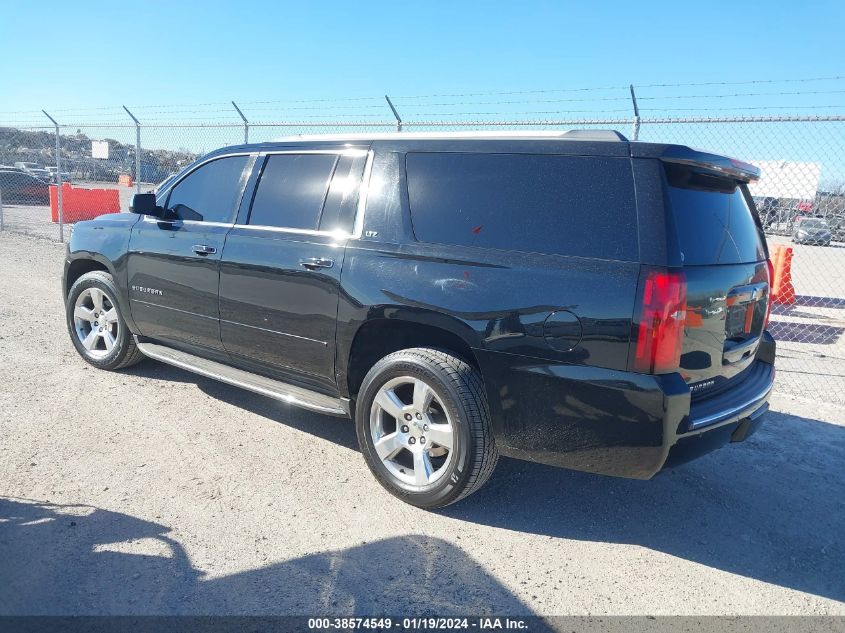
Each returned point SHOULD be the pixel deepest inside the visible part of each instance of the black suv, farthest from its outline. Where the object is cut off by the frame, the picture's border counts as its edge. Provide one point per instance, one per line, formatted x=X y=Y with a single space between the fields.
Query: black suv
x=568 y=298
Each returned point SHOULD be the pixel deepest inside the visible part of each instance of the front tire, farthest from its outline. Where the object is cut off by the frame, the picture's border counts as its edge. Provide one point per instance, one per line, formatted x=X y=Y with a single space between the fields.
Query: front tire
x=423 y=426
x=96 y=326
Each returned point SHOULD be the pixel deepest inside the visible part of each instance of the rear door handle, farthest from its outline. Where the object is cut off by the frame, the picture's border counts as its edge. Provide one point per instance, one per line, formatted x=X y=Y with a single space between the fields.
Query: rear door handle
x=316 y=262
x=204 y=249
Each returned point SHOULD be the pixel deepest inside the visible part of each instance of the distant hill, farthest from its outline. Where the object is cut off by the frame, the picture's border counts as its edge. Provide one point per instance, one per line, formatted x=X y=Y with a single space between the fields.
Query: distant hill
x=40 y=147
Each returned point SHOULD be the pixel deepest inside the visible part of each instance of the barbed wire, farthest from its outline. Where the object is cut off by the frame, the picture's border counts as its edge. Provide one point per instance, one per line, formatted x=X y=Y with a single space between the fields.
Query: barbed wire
x=735 y=108
x=742 y=94
x=316 y=100
x=453 y=103
x=627 y=86
x=338 y=102
x=742 y=83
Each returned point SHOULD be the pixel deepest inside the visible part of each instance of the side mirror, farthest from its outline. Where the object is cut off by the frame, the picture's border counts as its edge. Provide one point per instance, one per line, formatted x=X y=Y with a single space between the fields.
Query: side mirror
x=145 y=204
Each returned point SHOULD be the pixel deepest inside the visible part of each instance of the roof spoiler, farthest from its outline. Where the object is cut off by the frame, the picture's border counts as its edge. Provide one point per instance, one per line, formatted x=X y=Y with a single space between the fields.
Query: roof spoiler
x=722 y=165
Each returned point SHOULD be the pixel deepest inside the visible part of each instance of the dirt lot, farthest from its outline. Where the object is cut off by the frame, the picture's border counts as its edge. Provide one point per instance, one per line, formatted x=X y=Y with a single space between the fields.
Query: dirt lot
x=156 y=491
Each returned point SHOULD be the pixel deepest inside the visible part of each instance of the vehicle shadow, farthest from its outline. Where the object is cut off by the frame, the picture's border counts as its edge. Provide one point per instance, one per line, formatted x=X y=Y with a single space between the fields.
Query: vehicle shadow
x=817 y=333
x=813 y=301
x=63 y=560
x=771 y=508
x=337 y=430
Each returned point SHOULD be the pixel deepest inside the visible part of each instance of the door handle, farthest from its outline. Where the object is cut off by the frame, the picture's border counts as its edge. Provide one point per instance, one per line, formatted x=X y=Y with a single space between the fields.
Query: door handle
x=312 y=263
x=204 y=249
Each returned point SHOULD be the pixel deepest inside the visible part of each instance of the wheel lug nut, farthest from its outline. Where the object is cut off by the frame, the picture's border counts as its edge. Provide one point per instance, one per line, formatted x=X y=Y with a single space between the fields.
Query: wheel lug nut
x=425 y=427
x=408 y=417
x=422 y=440
x=419 y=416
x=404 y=428
x=412 y=440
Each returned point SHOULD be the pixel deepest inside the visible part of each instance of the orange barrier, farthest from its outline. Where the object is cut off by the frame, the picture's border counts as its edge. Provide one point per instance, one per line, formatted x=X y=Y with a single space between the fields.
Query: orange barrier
x=82 y=204
x=783 y=291
x=125 y=180
x=694 y=318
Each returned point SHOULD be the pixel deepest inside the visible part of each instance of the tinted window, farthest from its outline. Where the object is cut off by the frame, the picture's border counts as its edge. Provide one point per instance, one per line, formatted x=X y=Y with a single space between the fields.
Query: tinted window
x=209 y=193
x=568 y=205
x=292 y=190
x=714 y=223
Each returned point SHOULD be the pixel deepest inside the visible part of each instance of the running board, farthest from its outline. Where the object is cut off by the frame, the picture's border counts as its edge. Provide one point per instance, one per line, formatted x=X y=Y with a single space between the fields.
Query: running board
x=297 y=396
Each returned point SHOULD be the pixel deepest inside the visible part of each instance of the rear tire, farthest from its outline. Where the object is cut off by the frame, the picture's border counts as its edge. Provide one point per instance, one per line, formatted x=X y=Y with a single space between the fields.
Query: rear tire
x=423 y=426
x=96 y=326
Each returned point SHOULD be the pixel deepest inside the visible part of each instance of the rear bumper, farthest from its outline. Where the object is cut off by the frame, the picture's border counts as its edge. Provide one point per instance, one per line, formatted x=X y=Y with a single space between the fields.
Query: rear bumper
x=735 y=404
x=613 y=422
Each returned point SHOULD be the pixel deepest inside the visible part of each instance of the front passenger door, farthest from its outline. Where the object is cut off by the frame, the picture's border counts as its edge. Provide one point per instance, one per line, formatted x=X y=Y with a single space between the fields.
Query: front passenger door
x=173 y=262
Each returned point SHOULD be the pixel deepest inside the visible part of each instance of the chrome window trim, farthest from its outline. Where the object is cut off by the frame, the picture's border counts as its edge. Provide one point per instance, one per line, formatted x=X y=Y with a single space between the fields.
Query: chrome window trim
x=280 y=229
x=349 y=151
x=363 y=191
x=152 y=218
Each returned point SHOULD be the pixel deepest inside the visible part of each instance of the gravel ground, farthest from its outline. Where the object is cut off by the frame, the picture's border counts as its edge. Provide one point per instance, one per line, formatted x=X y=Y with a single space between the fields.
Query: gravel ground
x=154 y=491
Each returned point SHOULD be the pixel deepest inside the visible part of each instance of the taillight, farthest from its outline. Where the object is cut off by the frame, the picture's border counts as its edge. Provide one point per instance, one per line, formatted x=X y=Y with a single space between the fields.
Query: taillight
x=771 y=268
x=660 y=332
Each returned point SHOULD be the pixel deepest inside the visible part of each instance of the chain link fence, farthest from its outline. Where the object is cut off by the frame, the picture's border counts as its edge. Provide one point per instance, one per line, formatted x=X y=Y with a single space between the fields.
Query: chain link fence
x=801 y=195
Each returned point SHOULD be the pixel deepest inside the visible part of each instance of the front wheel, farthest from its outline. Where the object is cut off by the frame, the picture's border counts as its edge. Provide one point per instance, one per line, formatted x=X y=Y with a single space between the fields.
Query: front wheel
x=96 y=326
x=424 y=427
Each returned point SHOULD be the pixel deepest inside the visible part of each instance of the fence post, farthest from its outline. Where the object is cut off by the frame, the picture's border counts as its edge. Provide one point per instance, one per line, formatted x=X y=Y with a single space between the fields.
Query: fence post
x=635 y=128
x=246 y=123
x=137 y=151
x=1 y=209
x=61 y=210
x=395 y=113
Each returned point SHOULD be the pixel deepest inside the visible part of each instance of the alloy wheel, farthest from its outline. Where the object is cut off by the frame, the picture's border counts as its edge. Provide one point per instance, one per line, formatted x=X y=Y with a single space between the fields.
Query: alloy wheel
x=412 y=432
x=96 y=322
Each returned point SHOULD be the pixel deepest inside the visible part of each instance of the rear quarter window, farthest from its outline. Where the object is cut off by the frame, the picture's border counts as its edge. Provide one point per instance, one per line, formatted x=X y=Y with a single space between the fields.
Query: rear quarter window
x=564 y=205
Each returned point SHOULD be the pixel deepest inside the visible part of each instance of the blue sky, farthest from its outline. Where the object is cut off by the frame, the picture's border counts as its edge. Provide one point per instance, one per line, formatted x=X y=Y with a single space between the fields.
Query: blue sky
x=70 y=58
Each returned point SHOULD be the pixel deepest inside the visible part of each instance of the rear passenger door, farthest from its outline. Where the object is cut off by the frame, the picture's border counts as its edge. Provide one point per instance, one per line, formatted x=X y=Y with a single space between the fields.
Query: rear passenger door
x=280 y=270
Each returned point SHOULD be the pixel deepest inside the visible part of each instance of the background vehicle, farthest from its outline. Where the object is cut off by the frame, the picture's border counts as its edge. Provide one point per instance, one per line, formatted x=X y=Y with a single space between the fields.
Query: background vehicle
x=35 y=170
x=459 y=296
x=808 y=230
x=18 y=187
x=837 y=227
x=768 y=209
x=54 y=175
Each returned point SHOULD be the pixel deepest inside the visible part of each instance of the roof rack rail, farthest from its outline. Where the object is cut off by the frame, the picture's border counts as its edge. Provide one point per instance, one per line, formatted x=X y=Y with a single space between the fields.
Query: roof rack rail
x=581 y=135
x=595 y=135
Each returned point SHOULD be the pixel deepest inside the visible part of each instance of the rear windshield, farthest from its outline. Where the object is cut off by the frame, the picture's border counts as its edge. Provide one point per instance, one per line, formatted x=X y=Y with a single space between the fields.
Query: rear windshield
x=714 y=223
x=563 y=205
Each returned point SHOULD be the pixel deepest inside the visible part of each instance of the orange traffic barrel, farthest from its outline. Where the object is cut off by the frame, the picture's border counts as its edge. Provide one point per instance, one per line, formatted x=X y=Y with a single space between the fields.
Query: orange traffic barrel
x=783 y=291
